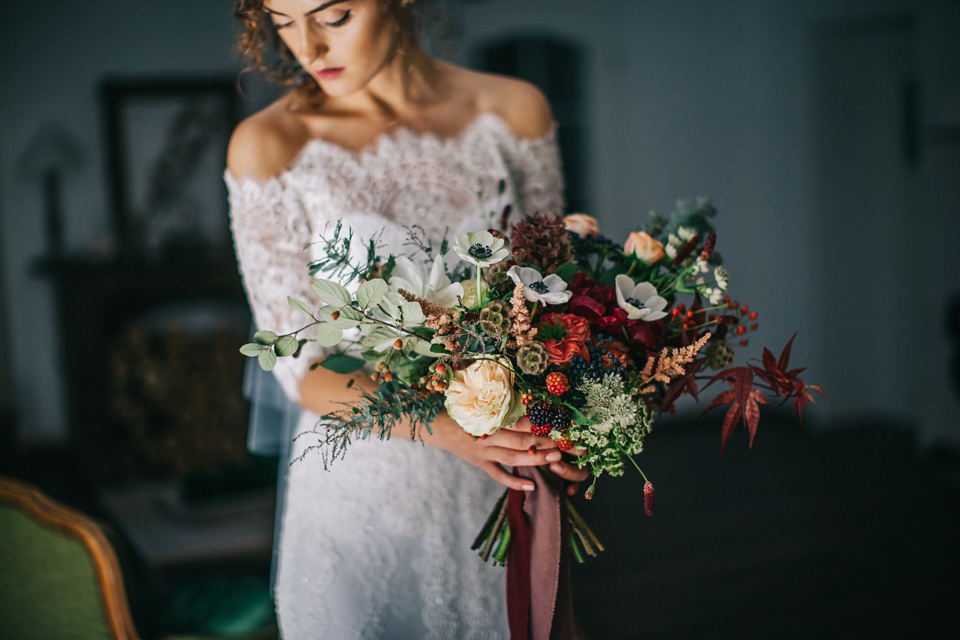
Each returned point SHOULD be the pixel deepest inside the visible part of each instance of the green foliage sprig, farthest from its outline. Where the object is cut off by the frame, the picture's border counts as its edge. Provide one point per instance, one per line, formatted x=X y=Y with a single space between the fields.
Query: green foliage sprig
x=377 y=413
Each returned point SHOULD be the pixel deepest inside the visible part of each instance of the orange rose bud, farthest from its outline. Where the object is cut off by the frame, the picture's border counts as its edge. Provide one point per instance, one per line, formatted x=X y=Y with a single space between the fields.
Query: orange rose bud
x=581 y=224
x=643 y=247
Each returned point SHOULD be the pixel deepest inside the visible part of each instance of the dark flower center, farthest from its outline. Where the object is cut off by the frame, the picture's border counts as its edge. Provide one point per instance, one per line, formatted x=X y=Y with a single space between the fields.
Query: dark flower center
x=539 y=287
x=479 y=251
x=636 y=303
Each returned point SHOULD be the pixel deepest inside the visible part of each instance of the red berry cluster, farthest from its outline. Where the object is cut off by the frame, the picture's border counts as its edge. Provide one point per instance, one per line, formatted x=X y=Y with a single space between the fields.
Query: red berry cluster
x=557 y=383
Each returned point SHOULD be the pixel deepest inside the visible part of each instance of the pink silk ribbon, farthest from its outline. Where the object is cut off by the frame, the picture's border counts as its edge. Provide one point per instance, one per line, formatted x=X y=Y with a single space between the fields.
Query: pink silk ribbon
x=539 y=602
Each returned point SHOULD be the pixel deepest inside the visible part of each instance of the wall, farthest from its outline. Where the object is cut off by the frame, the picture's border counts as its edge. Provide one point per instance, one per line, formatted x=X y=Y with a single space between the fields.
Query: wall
x=687 y=98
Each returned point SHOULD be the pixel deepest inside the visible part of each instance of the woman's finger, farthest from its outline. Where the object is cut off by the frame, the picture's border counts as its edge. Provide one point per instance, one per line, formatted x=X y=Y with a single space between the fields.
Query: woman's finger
x=569 y=471
x=510 y=439
x=523 y=457
x=508 y=480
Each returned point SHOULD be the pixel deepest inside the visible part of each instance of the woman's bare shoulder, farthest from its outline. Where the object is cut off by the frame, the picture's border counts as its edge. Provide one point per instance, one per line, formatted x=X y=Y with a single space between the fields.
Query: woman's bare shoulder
x=264 y=144
x=521 y=104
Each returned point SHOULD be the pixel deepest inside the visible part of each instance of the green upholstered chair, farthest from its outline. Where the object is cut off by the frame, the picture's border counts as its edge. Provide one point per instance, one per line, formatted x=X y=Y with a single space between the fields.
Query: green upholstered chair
x=59 y=576
x=60 y=580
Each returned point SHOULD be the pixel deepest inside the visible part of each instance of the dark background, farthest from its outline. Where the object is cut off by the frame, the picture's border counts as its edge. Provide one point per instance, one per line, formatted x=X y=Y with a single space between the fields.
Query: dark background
x=826 y=133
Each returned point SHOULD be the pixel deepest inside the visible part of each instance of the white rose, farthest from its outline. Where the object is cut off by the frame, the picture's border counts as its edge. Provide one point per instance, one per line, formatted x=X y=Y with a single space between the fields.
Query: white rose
x=480 y=398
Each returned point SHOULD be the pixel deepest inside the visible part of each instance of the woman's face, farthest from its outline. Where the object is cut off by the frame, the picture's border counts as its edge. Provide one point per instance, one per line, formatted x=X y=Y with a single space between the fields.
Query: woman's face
x=343 y=44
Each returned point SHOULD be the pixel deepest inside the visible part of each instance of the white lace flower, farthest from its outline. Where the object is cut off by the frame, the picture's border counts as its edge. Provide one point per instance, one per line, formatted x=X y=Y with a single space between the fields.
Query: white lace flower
x=722 y=277
x=714 y=295
x=640 y=301
x=481 y=248
x=536 y=288
x=429 y=282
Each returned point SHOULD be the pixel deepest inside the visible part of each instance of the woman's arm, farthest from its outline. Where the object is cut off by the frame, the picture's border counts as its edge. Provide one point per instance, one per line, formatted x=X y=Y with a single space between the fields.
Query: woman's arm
x=323 y=391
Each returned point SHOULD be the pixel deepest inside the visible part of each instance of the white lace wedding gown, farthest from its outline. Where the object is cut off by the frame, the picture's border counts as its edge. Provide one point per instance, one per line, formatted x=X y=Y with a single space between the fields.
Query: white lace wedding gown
x=379 y=546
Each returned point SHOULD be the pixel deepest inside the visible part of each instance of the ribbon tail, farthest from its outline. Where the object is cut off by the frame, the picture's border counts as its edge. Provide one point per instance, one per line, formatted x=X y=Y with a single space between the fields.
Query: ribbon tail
x=540 y=552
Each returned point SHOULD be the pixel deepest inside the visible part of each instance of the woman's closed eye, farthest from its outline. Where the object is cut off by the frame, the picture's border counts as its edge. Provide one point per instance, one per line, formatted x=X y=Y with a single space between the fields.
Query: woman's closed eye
x=341 y=21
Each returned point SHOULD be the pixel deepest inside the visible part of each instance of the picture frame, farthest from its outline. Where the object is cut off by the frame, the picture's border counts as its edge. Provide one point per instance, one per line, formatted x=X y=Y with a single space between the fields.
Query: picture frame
x=165 y=149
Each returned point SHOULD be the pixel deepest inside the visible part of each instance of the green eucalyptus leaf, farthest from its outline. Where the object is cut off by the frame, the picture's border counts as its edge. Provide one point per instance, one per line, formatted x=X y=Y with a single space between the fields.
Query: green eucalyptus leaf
x=412 y=313
x=267 y=359
x=328 y=335
x=377 y=336
x=370 y=355
x=287 y=346
x=333 y=293
x=347 y=317
x=265 y=338
x=424 y=348
x=299 y=304
x=251 y=349
x=371 y=293
x=341 y=363
x=437 y=348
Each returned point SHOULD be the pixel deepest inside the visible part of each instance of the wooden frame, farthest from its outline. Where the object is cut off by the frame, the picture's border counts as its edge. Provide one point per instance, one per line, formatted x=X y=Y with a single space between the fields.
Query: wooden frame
x=51 y=514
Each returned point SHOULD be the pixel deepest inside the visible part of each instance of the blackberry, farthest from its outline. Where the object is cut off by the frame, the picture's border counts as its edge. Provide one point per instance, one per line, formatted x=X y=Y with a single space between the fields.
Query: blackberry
x=540 y=414
x=561 y=418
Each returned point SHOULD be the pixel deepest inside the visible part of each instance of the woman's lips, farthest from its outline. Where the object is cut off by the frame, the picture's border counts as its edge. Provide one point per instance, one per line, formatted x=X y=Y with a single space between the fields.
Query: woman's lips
x=330 y=73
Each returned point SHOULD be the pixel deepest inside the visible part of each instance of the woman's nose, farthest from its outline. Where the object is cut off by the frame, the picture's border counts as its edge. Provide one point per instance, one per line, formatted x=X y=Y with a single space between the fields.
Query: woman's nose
x=313 y=44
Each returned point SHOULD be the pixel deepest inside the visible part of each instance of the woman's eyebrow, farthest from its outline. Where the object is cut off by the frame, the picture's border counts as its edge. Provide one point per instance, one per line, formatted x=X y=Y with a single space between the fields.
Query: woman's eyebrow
x=323 y=6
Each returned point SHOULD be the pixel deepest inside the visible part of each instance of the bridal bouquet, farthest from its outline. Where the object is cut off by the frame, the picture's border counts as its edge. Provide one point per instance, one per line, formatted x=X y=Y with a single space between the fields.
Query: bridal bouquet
x=587 y=338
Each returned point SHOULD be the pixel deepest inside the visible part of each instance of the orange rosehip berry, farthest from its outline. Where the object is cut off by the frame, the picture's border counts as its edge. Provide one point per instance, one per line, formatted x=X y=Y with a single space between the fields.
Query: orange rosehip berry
x=744 y=342
x=674 y=312
x=387 y=377
x=753 y=315
x=726 y=300
x=754 y=326
x=526 y=399
x=689 y=315
x=681 y=307
x=741 y=330
x=335 y=315
x=441 y=368
x=398 y=344
x=375 y=376
x=744 y=309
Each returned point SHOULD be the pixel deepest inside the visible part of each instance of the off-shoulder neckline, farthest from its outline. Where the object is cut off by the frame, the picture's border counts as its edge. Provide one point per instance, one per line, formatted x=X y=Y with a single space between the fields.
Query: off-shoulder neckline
x=394 y=138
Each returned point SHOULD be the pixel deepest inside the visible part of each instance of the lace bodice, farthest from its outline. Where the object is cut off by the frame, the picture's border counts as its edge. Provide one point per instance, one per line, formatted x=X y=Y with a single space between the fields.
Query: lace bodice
x=405 y=179
x=378 y=548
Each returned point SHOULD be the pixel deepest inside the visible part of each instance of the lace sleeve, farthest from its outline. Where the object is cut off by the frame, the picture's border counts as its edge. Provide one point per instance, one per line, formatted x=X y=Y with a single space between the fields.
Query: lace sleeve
x=535 y=166
x=270 y=235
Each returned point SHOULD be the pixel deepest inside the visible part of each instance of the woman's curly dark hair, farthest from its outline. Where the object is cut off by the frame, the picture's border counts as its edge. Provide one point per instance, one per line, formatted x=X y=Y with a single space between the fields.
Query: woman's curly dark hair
x=259 y=34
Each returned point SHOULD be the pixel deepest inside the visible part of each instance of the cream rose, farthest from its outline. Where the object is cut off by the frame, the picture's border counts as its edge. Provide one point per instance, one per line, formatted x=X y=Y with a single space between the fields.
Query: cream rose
x=582 y=224
x=641 y=245
x=480 y=398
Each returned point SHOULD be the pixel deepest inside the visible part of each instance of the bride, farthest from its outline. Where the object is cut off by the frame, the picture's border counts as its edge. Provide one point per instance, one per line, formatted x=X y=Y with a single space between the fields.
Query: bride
x=378 y=135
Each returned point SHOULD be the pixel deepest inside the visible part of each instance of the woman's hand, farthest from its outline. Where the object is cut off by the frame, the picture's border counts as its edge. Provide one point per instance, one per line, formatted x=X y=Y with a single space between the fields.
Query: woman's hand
x=514 y=447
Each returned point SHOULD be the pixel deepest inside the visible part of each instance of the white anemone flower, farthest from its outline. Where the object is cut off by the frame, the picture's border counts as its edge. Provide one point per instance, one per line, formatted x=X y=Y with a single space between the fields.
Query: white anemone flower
x=481 y=248
x=536 y=288
x=640 y=301
x=426 y=281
